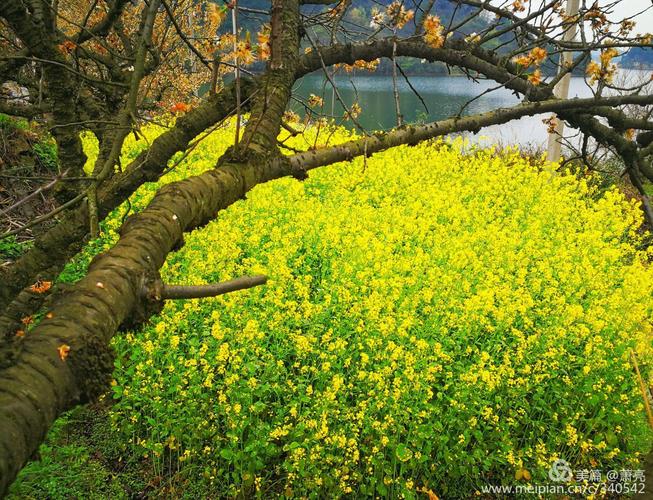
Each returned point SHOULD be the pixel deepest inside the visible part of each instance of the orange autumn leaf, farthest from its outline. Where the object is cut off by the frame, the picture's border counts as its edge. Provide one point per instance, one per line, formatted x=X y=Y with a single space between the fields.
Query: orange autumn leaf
x=398 y=15
x=179 y=107
x=605 y=69
x=27 y=320
x=67 y=47
x=63 y=351
x=535 y=57
x=362 y=64
x=314 y=101
x=290 y=117
x=551 y=124
x=20 y=333
x=538 y=54
x=518 y=6
x=101 y=49
x=353 y=112
x=607 y=56
x=41 y=286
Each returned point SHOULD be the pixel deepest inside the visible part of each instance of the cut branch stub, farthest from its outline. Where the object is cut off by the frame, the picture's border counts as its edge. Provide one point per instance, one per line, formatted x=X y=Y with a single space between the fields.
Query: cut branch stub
x=157 y=291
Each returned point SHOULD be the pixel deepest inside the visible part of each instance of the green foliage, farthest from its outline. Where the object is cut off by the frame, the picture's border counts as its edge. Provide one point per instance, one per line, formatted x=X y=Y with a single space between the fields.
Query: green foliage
x=436 y=319
x=10 y=248
x=78 y=460
x=10 y=123
x=46 y=152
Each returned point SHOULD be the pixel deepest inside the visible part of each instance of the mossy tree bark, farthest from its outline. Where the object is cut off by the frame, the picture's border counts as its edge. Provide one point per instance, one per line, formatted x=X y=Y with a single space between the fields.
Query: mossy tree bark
x=36 y=31
x=39 y=385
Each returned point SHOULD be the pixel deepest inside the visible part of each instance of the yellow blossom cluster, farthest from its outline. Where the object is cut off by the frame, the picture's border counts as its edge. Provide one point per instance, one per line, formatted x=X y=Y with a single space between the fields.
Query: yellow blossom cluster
x=362 y=65
x=437 y=316
x=603 y=70
x=398 y=15
x=535 y=57
x=433 y=29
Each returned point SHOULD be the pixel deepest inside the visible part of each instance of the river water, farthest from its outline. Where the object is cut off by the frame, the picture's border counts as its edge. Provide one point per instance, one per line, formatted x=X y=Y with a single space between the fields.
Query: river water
x=443 y=96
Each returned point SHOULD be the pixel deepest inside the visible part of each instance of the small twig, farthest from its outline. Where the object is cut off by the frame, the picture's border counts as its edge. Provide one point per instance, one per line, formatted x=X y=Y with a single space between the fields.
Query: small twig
x=214 y=72
x=348 y=112
x=127 y=117
x=34 y=194
x=180 y=32
x=395 y=90
x=85 y=178
x=293 y=132
x=410 y=85
x=160 y=291
x=289 y=148
x=43 y=218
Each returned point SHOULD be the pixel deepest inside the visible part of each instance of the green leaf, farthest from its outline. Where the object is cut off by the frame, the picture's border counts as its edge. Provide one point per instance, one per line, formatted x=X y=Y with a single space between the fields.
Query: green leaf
x=403 y=453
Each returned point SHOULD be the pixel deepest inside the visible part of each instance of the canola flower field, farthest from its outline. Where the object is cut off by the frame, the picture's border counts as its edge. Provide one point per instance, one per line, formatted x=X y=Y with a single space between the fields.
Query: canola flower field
x=436 y=319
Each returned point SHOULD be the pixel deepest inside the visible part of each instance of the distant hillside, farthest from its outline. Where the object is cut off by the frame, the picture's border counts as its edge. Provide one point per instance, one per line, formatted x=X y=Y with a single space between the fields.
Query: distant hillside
x=638 y=57
x=359 y=13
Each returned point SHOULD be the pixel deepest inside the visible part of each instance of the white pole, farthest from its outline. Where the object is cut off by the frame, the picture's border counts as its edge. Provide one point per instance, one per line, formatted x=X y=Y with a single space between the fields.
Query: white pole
x=562 y=88
x=234 y=24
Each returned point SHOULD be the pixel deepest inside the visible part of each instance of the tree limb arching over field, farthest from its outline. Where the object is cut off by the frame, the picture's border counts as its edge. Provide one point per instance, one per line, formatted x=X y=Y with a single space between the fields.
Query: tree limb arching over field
x=84 y=69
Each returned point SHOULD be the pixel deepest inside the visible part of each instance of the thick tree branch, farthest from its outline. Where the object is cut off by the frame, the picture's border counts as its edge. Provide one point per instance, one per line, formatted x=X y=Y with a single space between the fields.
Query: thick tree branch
x=53 y=249
x=410 y=135
x=456 y=53
x=260 y=136
x=105 y=24
x=160 y=291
